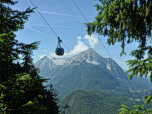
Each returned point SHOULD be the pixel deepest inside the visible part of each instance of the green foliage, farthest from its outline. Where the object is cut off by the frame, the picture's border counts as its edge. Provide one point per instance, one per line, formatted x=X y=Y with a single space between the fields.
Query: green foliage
x=124 y=17
x=77 y=76
x=95 y=102
x=21 y=89
x=13 y=89
x=69 y=77
x=126 y=110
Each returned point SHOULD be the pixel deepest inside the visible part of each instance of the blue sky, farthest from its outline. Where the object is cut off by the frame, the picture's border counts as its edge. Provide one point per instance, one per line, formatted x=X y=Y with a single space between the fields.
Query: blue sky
x=70 y=29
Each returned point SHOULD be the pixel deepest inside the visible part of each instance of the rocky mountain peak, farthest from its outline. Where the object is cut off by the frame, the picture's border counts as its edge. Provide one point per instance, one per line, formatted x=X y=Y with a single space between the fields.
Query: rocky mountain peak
x=89 y=54
x=45 y=57
x=45 y=64
x=90 y=51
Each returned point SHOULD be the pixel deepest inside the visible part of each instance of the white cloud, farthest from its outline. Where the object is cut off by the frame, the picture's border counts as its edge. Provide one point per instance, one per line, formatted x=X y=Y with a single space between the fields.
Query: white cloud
x=80 y=47
x=93 y=40
x=51 y=55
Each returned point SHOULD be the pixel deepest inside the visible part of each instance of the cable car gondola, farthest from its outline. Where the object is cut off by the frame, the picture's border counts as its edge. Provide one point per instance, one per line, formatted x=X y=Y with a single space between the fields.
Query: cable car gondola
x=59 y=51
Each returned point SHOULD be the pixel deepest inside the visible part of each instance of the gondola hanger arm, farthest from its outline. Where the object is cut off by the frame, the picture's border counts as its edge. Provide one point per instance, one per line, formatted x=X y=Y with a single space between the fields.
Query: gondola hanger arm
x=59 y=40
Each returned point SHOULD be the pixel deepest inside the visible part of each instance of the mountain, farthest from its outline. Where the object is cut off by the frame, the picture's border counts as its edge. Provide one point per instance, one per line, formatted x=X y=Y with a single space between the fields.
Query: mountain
x=74 y=78
x=45 y=65
x=90 y=56
x=97 y=102
x=89 y=71
x=59 y=61
x=92 y=103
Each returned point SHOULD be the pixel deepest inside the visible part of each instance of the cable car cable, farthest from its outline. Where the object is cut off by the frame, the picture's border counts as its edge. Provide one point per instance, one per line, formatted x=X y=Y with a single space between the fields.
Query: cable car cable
x=72 y=13
x=107 y=51
x=105 y=48
x=83 y=66
x=59 y=51
x=65 y=46
x=69 y=50
x=43 y=18
x=79 y=10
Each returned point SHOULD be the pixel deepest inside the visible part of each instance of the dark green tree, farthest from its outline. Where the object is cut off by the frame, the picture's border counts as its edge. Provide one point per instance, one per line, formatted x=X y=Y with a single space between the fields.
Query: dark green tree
x=124 y=16
x=20 y=84
x=50 y=100
x=46 y=98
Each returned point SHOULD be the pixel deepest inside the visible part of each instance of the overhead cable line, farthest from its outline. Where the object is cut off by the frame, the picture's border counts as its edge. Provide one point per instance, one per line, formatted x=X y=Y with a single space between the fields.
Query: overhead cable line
x=79 y=10
x=72 y=13
x=66 y=47
x=106 y=49
x=87 y=21
x=72 y=54
x=102 y=44
x=79 y=61
x=87 y=70
x=44 y=19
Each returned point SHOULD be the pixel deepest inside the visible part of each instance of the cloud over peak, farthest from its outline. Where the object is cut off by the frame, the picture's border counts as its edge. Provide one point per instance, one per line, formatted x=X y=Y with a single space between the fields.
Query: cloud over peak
x=89 y=42
x=93 y=40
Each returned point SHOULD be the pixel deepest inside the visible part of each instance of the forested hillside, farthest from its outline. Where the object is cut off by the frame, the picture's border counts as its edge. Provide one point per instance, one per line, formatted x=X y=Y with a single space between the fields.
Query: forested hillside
x=96 y=102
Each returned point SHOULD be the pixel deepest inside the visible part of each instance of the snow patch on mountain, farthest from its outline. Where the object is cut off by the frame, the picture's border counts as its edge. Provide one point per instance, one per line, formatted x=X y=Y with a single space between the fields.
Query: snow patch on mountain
x=92 y=62
x=90 y=56
x=109 y=66
x=58 y=61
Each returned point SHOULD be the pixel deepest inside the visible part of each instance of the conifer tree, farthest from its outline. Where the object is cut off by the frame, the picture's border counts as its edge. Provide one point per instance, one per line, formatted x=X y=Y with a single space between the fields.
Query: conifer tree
x=19 y=91
x=124 y=16
x=50 y=101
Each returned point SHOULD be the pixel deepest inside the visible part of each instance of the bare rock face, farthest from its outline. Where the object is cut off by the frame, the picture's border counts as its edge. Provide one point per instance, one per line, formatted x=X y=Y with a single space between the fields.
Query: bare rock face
x=68 y=75
x=90 y=56
x=45 y=65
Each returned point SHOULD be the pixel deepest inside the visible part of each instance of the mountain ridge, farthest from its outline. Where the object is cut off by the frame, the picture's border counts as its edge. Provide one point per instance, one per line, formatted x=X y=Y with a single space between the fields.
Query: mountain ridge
x=90 y=56
x=78 y=73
